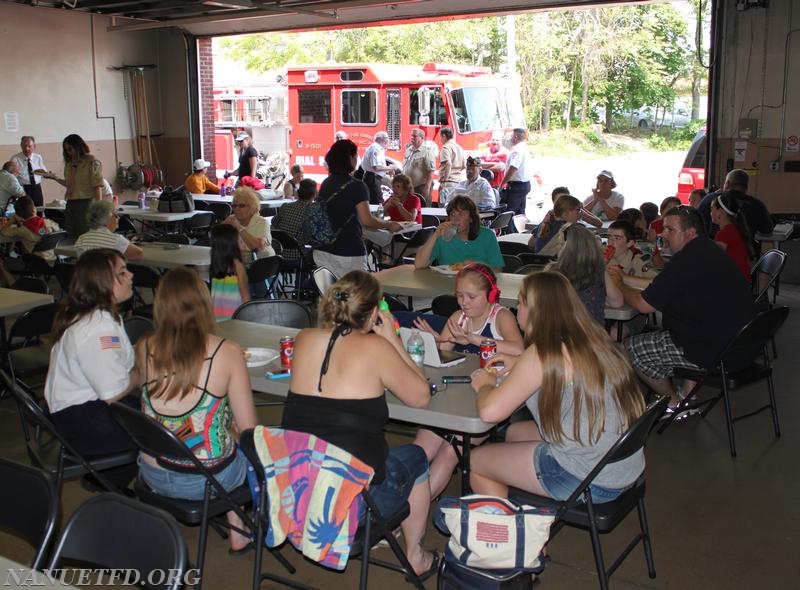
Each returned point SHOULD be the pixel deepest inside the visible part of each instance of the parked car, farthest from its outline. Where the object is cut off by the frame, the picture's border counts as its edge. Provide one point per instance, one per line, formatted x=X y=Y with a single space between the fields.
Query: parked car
x=693 y=173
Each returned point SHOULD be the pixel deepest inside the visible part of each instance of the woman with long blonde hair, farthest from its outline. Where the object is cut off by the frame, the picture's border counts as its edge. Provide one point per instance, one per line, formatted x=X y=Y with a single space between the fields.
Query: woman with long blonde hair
x=581 y=390
x=195 y=384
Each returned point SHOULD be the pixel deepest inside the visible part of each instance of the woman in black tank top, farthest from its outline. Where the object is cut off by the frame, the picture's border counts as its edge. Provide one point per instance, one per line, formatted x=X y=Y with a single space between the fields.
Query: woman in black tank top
x=340 y=372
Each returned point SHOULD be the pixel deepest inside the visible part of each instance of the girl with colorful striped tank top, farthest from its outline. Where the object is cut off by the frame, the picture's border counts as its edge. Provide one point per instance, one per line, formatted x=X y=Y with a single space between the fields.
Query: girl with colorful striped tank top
x=195 y=384
x=229 y=287
x=480 y=317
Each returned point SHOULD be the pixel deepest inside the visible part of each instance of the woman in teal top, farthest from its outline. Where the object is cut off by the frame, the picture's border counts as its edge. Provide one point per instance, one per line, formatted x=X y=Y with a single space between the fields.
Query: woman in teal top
x=461 y=239
x=197 y=385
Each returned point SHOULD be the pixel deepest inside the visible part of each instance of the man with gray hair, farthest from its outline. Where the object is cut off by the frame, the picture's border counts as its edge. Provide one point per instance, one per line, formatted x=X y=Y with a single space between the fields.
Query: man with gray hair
x=103 y=221
x=10 y=186
x=29 y=161
x=419 y=164
x=375 y=166
x=754 y=210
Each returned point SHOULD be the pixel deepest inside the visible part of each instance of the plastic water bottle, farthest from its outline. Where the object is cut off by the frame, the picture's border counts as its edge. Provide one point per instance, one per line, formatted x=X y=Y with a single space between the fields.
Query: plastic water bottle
x=142 y=200
x=379 y=212
x=416 y=348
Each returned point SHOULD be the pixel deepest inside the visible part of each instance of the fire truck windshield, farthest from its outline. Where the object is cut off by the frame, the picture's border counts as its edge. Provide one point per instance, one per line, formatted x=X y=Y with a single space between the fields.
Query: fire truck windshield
x=486 y=109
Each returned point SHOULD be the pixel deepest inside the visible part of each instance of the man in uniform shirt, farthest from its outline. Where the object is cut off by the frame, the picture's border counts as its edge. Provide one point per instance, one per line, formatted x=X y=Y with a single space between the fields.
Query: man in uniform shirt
x=516 y=182
x=29 y=161
x=419 y=165
x=452 y=165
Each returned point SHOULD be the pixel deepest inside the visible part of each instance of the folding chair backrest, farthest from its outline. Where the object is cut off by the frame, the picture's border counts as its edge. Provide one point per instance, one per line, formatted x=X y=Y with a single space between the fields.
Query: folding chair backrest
x=31 y=284
x=151 y=437
x=136 y=327
x=520 y=223
x=29 y=505
x=323 y=279
x=627 y=444
x=116 y=532
x=145 y=277
x=221 y=211
x=528 y=268
x=264 y=269
x=760 y=330
x=394 y=303
x=34 y=420
x=501 y=221
x=286 y=240
x=445 y=305
x=771 y=263
x=514 y=248
x=50 y=241
x=275 y=312
x=511 y=263
x=34 y=323
x=430 y=221
x=406 y=319
x=531 y=258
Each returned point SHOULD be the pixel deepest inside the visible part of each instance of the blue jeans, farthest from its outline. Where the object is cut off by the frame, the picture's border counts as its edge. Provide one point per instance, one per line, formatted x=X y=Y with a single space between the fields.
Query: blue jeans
x=559 y=483
x=405 y=467
x=191 y=486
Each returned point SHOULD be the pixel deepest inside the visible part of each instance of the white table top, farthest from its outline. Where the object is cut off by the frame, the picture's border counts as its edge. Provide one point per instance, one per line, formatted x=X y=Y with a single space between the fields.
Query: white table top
x=155 y=216
x=452 y=409
x=39 y=579
x=160 y=255
x=383 y=237
x=515 y=238
x=273 y=201
x=424 y=282
x=780 y=233
x=13 y=302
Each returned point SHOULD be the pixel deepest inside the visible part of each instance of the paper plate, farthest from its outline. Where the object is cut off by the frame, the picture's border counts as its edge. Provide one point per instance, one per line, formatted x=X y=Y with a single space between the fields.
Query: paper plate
x=257 y=357
x=444 y=269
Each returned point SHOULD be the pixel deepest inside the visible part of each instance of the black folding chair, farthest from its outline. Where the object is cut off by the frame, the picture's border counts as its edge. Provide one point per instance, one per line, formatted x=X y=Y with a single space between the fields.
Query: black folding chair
x=296 y=261
x=412 y=243
x=445 y=305
x=144 y=277
x=500 y=223
x=50 y=451
x=29 y=506
x=376 y=527
x=766 y=273
x=430 y=221
x=221 y=211
x=35 y=265
x=119 y=533
x=32 y=285
x=275 y=312
x=538 y=259
x=580 y=511
x=26 y=353
x=266 y=272
x=137 y=326
x=323 y=279
x=511 y=263
x=514 y=248
x=155 y=440
x=752 y=338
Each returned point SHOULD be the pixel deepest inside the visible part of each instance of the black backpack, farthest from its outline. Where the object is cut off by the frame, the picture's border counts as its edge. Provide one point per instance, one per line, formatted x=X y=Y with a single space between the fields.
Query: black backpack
x=178 y=200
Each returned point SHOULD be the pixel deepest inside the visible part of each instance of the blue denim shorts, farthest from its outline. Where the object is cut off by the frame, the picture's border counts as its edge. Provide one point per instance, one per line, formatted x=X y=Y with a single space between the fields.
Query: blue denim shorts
x=405 y=467
x=559 y=483
x=191 y=486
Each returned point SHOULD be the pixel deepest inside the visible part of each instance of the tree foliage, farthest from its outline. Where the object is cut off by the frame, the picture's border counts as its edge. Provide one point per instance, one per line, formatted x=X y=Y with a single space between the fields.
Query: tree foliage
x=569 y=62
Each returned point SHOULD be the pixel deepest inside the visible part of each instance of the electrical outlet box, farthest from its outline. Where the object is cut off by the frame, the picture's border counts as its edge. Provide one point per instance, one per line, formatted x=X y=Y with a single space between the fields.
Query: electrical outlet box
x=774 y=166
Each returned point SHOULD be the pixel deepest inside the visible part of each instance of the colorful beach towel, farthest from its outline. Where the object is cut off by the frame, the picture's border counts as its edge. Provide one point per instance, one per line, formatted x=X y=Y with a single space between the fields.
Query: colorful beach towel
x=319 y=487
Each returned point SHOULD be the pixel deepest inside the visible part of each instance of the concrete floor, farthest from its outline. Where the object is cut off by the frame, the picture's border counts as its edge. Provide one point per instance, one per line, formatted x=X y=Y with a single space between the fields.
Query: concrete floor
x=716 y=522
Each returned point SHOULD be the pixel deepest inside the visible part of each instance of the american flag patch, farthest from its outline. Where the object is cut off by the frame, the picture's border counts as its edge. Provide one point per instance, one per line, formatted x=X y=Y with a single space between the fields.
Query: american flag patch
x=110 y=342
x=491 y=533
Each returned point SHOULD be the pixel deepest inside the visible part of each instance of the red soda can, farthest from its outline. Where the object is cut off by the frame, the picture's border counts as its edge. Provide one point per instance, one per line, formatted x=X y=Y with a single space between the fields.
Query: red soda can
x=488 y=349
x=287 y=351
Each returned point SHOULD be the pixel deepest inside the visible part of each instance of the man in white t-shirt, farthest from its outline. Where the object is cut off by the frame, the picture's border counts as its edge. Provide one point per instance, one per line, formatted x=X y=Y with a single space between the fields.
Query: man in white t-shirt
x=604 y=204
x=375 y=166
x=519 y=170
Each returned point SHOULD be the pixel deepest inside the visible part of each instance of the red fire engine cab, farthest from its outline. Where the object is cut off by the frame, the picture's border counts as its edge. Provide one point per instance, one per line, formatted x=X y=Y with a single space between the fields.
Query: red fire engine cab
x=364 y=99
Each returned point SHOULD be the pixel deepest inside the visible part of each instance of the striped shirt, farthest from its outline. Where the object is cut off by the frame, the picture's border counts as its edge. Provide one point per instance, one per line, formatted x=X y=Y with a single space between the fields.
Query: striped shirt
x=101 y=237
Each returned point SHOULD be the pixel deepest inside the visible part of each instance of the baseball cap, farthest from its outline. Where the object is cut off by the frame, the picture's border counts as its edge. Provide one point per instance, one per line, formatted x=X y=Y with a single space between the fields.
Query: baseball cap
x=199 y=164
x=607 y=174
x=241 y=136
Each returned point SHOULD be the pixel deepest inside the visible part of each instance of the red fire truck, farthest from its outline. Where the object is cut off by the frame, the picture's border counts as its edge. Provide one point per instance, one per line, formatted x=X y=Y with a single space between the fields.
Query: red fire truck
x=364 y=99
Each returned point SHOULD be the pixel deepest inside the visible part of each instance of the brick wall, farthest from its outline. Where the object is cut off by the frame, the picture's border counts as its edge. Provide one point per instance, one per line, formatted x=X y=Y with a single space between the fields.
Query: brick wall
x=206 y=76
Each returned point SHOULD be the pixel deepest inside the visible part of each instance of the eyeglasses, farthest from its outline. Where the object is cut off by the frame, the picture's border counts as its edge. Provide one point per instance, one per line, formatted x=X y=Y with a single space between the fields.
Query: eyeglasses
x=240 y=205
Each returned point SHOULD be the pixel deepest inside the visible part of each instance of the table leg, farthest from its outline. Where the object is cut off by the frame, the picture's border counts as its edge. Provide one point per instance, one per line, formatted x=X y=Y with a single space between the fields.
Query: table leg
x=464 y=463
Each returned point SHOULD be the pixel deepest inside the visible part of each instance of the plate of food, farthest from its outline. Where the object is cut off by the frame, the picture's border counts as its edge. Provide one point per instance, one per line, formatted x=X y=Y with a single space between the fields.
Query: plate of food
x=448 y=269
x=257 y=357
x=407 y=223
